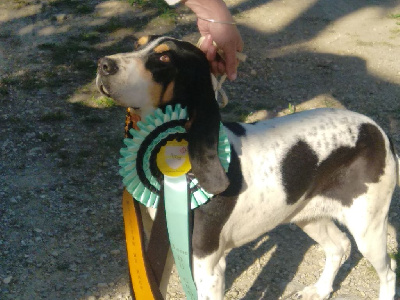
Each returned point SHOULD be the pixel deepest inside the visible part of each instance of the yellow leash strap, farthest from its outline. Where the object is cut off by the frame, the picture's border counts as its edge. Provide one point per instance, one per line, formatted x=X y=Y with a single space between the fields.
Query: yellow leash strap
x=143 y=281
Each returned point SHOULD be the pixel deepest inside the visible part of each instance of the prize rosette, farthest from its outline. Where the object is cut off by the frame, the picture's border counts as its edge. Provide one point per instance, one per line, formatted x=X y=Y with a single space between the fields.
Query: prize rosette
x=139 y=168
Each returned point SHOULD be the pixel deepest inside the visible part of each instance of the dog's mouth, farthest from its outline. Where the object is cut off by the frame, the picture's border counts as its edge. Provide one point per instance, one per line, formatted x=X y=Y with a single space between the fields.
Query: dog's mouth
x=104 y=91
x=102 y=87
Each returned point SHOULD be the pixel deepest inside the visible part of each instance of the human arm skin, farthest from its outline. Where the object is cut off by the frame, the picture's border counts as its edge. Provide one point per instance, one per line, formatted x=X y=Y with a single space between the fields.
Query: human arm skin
x=226 y=36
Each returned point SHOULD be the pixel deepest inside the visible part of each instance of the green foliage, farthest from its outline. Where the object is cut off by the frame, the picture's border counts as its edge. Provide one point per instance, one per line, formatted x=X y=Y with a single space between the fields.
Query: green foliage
x=103 y=101
x=162 y=7
x=396 y=257
x=292 y=108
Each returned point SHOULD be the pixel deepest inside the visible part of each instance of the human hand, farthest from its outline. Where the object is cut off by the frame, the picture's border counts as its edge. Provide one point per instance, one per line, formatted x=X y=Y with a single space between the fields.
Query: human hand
x=228 y=39
x=222 y=31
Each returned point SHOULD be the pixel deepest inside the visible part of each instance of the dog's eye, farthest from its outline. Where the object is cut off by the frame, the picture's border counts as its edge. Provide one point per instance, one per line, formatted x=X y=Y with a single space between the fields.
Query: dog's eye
x=164 y=58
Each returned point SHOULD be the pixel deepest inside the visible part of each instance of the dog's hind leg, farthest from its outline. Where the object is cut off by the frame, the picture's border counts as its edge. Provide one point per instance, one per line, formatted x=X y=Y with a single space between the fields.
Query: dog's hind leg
x=335 y=243
x=370 y=233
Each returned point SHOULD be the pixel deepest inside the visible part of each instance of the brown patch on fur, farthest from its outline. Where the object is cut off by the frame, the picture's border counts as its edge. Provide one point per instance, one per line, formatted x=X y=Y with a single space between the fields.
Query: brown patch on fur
x=342 y=176
x=143 y=40
x=131 y=120
x=161 y=48
x=168 y=93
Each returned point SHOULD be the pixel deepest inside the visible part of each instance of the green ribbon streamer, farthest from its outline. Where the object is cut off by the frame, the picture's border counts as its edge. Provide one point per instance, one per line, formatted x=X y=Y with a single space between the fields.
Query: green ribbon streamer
x=177 y=208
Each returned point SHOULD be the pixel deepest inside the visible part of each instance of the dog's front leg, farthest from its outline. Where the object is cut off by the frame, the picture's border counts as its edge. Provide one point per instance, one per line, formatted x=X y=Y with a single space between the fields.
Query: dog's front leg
x=209 y=276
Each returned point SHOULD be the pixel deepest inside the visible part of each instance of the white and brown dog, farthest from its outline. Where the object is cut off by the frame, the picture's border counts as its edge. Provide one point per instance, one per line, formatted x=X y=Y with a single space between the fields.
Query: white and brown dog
x=308 y=168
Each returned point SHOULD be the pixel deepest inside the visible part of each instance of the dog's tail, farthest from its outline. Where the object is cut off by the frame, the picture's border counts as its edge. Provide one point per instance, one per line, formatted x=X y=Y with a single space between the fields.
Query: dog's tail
x=397 y=159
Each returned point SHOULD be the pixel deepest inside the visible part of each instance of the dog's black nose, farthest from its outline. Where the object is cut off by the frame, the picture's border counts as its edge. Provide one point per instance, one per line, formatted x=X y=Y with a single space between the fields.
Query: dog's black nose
x=107 y=66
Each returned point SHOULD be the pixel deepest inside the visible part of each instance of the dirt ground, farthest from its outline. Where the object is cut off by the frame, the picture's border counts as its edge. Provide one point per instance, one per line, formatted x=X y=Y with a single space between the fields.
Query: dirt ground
x=61 y=230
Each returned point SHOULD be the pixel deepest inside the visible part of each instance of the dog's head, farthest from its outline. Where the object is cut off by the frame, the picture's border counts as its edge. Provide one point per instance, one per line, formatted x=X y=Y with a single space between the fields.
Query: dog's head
x=166 y=71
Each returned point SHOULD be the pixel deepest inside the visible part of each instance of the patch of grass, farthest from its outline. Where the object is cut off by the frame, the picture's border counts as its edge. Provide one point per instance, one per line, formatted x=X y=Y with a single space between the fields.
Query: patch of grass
x=243 y=115
x=163 y=9
x=54 y=117
x=395 y=31
x=396 y=257
x=292 y=108
x=159 y=4
x=394 y=16
x=168 y=14
x=18 y=4
x=103 y=102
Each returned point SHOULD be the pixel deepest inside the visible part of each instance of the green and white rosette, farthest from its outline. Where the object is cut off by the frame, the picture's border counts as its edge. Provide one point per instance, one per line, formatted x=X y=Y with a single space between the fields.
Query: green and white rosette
x=157 y=156
x=141 y=176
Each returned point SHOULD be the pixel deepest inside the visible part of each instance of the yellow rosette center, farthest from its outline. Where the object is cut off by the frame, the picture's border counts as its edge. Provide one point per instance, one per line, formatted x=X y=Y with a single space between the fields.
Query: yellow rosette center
x=173 y=158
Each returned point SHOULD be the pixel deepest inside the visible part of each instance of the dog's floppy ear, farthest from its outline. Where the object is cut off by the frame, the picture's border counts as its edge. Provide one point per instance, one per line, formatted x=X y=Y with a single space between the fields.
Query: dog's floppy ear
x=193 y=89
x=203 y=136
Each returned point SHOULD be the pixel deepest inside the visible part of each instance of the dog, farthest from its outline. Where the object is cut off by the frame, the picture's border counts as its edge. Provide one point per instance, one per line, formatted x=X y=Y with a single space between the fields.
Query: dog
x=312 y=168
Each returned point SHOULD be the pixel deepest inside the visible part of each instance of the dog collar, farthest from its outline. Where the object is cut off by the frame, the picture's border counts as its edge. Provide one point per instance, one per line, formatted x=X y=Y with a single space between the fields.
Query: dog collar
x=159 y=147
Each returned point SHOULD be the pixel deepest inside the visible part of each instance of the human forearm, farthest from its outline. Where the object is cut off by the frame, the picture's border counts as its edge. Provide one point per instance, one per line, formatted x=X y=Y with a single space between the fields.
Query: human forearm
x=210 y=9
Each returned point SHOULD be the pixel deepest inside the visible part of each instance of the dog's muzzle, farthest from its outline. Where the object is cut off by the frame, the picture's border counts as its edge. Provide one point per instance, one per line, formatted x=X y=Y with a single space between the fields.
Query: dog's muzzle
x=105 y=67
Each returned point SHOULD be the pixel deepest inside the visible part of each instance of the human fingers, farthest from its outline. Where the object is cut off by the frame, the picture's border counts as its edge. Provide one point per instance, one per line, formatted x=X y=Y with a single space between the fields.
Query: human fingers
x=230 y=62
x=211 y=53
x=221 y=67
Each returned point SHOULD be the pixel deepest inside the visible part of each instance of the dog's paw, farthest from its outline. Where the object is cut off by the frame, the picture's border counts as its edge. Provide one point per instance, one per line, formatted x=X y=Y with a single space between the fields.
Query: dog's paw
x=310 y=293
